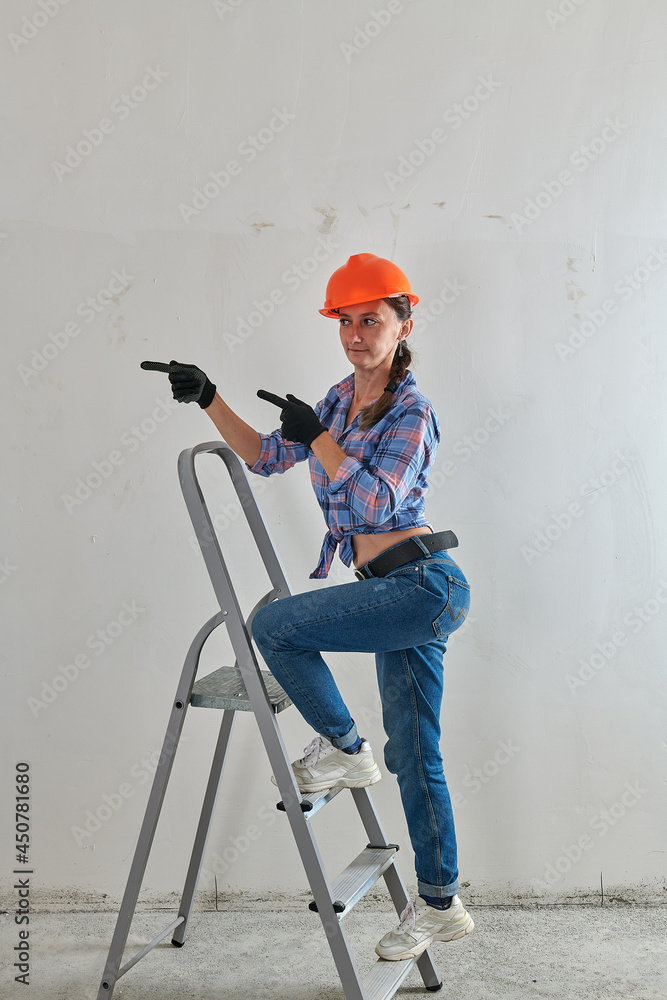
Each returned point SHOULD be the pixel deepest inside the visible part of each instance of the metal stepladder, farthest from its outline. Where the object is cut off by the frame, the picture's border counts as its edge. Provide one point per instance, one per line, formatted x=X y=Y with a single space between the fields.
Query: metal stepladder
x=245 y=687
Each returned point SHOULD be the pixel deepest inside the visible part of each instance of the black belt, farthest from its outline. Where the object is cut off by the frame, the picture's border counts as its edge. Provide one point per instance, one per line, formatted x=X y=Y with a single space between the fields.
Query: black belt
x=406 y=552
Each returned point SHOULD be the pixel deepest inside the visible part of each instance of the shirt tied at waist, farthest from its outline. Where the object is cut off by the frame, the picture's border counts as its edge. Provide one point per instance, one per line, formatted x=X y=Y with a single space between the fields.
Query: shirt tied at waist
x=329 y=546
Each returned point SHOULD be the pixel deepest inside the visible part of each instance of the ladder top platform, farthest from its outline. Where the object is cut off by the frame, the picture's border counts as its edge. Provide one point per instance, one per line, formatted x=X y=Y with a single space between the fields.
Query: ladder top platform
x=224 y=689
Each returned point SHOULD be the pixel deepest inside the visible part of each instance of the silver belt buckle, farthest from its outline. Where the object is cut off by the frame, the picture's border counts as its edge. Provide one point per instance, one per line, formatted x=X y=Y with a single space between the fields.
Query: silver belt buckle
x=360 y=575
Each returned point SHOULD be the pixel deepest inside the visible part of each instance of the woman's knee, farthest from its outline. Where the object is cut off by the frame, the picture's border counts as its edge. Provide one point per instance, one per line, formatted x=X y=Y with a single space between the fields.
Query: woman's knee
x=264 y=625
x=391 y=757
x=404 y=756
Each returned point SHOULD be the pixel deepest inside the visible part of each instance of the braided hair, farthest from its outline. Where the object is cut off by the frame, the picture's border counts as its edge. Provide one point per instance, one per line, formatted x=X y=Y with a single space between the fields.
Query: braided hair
x=374 y=412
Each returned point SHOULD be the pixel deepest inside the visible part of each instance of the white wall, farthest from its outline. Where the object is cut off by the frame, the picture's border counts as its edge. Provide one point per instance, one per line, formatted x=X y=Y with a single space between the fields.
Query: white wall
x=552 y=592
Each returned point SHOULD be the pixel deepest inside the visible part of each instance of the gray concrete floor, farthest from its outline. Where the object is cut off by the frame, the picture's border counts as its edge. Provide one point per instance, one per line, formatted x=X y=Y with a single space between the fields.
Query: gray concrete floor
x=568 y=952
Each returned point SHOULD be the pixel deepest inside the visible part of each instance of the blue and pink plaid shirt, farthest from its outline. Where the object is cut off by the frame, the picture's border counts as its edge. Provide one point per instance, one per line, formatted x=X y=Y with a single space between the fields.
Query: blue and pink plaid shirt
x=381 y=484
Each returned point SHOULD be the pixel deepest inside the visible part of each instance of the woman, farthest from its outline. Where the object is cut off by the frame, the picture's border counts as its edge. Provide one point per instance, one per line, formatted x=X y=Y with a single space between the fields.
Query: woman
x=369 y=443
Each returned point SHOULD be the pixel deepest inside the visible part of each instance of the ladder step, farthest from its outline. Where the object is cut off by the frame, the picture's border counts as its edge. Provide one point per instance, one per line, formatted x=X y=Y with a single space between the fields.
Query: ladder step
x=384 y=978
x=224 y=689
x=312 y=802
x=359 y=876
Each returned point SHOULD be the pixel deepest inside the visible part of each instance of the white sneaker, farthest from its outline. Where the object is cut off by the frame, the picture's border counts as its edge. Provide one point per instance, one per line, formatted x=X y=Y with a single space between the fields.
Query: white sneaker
x=420 y=925
x=324 y=766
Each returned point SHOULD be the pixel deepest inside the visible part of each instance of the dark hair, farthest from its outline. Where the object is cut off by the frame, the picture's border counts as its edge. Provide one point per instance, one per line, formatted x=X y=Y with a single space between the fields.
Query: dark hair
x=374 y=412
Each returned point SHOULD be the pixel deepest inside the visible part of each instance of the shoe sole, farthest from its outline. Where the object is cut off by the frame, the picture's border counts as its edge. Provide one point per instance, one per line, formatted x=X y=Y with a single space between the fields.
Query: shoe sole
x=324 y=786
x=419 y=949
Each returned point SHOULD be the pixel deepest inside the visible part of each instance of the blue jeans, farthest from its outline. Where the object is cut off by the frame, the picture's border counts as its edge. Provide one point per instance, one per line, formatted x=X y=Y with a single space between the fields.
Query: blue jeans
x=404 y=618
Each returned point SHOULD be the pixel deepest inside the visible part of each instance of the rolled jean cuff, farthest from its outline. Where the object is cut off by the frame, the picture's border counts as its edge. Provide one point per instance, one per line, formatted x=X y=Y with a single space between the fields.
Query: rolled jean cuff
x=341 y=742
x=437 y=891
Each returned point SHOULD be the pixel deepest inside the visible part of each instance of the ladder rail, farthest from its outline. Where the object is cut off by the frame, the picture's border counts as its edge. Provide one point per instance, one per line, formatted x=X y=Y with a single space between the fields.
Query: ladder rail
x=393 y=880
x=237 y=629
x=149 y=947
x=154 y=807
x=246 y=660
x=204 y=827
x=201 y=519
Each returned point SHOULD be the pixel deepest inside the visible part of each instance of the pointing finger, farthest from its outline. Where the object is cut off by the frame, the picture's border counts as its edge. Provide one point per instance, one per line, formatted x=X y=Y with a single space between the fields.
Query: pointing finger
x=271 y=397
x=155 y=366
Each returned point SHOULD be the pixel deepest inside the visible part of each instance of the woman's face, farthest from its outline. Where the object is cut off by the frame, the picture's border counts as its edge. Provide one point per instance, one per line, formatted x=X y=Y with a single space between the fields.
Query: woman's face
x=370 y=332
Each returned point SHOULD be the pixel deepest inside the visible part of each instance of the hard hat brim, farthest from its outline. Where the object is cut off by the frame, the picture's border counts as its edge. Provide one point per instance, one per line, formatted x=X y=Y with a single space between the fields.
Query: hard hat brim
x=333 y=311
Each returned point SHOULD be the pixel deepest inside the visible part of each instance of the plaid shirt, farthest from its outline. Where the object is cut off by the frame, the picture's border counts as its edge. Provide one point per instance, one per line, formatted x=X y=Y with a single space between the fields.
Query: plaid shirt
x=381 y=484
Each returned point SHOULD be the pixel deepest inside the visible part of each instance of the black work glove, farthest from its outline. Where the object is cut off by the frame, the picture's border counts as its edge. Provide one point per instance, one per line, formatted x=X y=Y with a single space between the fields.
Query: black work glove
x=188 y=383
x=299 y=421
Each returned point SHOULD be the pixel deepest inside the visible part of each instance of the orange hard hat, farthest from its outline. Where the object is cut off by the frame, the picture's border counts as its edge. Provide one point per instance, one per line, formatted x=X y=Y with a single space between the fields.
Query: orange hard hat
x=365 y=278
